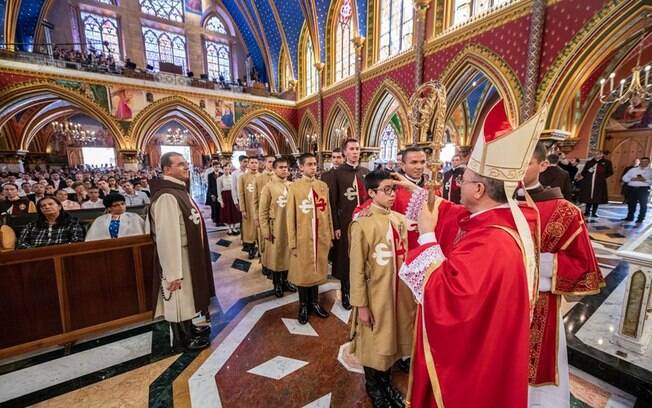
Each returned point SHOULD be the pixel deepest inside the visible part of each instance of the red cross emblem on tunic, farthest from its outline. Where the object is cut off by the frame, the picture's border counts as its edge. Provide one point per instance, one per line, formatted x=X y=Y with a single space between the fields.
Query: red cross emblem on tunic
x=321 y=205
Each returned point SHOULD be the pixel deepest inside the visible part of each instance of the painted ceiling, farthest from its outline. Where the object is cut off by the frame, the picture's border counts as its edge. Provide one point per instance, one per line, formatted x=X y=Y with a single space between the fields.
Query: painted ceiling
x=266 y=26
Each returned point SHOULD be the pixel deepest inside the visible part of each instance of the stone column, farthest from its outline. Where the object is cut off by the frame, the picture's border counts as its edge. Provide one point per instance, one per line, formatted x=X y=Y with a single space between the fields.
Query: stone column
x=130 y=160
x=12 y=161
x=320 y=114
x=421 y=8
x=537 y=21
x=358 y=41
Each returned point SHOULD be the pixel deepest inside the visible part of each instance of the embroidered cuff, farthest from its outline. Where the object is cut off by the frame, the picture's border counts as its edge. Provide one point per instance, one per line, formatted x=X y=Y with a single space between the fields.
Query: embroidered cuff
x=418 y=199
x=427 y=238
x=414 y=274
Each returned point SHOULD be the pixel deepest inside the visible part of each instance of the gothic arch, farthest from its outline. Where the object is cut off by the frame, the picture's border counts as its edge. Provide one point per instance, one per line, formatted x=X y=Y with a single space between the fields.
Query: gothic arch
x=332 y=20
x=338 y=110
x=495 y=69
x=150 y=116
x=307 y=121
x=16 y=98
x=384 y=97
x=270 y=118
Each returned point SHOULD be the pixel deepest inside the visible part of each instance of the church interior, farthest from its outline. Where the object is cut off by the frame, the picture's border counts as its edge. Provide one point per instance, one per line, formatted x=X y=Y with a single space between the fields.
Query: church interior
x=95 y=94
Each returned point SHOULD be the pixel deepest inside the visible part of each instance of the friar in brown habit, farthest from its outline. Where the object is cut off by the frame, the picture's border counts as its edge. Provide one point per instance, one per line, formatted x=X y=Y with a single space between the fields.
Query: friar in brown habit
x=347 y=191
x=183 y=280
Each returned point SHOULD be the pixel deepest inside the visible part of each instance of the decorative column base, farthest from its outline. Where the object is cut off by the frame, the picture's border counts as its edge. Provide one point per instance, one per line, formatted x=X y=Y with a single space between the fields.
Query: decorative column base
x=130 y=160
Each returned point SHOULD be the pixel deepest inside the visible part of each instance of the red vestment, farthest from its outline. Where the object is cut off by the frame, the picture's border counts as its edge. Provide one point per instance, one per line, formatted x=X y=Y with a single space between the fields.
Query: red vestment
x=471 y=334
x=575 y=272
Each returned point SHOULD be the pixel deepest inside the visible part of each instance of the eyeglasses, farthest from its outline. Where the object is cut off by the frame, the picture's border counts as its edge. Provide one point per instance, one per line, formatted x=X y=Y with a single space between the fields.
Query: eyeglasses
x=387 y=190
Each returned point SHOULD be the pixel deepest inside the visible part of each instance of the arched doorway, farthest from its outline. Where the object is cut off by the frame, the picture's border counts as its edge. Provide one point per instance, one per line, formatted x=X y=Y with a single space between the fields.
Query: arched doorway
x=339 y=126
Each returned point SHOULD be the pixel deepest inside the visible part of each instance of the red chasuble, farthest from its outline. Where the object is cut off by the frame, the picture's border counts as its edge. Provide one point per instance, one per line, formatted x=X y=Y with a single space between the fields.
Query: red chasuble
x=471 y=334
x=575 y=272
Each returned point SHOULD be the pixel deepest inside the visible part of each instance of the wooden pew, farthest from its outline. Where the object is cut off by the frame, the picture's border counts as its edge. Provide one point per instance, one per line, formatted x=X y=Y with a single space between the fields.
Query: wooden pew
x=59 y=294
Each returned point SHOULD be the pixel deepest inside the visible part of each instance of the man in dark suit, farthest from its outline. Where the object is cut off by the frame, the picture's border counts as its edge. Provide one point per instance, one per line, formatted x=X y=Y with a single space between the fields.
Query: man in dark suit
x=554 y=176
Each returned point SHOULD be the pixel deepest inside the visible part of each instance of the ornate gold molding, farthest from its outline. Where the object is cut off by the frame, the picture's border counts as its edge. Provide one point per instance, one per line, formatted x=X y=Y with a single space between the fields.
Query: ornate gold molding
x=388 y=86
x=338 y=105
x=338 y=86
x=146 y=118
x=307 y=100
x=260 y=113
x=496 y=70
x=460 y=33
x=397 y=61
x=18 y=91
x=308 y=119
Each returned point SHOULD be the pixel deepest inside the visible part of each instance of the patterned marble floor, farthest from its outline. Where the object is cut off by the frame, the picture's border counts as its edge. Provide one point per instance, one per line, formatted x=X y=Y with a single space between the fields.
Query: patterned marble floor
x=259 y=355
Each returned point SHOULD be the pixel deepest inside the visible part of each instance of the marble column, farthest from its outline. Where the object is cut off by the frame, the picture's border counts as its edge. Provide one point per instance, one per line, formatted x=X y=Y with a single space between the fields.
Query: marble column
x=358 y=41
x=130 y=160
x=421 y=8
x=537 y=21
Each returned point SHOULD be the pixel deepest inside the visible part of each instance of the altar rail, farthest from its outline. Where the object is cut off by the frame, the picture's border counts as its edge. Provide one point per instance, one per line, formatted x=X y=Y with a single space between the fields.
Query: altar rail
x=59 y=294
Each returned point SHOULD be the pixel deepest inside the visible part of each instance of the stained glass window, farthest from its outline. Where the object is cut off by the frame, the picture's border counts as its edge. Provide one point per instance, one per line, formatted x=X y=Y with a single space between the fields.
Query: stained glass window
x=167 y=9
x=463 y=10
x=214 y=24
x=344 y=51
x=311 y=71
x=101 y=34
x=388 y=144
x=218 y=60
x=396 y=27
x=163 y=46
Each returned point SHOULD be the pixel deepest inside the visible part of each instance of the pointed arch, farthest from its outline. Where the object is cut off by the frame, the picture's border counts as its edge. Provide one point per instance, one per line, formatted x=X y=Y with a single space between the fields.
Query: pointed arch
x=308 y=76
x=269 y=118
x=150 y=116
x=18 y=97
x=308 y=124
x=388 y=99
x=339 y=117
x=475 y=57
x=613 y=27
x=332 y=23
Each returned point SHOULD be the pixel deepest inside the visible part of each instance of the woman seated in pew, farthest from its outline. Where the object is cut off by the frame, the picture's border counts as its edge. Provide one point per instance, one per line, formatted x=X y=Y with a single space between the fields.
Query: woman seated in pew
x=117 y=223
x=52 y=227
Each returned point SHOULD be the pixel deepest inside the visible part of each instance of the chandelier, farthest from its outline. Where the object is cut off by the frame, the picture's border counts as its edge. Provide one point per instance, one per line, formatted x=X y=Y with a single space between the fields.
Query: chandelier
x=633 y=93
x=176 y=136
x=249 y=141
x=74 y=132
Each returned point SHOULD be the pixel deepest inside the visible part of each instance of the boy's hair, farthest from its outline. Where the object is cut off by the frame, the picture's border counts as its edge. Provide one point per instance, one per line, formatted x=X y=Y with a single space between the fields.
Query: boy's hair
x=374 y=178
x=540 y=152
x=279 y=161
x=304 y=157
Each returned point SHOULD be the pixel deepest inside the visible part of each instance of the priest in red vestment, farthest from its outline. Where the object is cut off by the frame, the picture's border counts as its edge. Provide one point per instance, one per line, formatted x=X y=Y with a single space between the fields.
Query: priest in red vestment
x=475 y=278
x=567 y=266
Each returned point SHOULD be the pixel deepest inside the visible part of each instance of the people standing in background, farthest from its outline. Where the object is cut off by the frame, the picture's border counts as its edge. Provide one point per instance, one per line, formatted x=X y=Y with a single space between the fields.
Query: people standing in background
x=569 y=165
x=229 y=212
x=639 y=180
x=247 y=203
x=211 y=191
x=623 y=188
x=272 y=216
x=347 y=191
x=593 y=183
x=117 y=223
x=451 y=179
x=235 y=176
x=262 y=178
x=555 y=176
x=310 y=236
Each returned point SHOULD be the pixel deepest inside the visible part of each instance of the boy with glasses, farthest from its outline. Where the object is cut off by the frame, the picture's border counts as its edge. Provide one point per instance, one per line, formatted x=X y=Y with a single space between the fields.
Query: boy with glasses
x=383 y=313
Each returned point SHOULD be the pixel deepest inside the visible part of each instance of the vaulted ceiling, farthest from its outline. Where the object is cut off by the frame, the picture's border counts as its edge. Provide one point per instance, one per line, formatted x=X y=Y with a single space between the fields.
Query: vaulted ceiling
x=265 y=25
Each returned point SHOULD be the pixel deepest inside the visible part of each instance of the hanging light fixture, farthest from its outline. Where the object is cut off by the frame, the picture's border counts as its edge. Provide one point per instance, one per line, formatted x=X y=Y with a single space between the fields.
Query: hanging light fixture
x=637 y=90
x=176 y=136
x=249 y=141
x=73 y=132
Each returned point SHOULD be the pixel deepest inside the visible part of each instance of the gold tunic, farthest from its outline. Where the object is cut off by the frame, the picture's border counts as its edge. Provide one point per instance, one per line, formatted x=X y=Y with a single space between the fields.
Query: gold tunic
x=248 y=204
x=272 y=216
x=374 y=276
x=261 y=180
x=310 y=231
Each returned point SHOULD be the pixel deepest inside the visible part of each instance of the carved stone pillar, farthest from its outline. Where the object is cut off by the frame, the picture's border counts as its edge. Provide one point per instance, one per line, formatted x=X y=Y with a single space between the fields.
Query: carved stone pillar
x=537 y=21
x=320 y=114
x=421 y=8
x=359 y=48
x=129 y=160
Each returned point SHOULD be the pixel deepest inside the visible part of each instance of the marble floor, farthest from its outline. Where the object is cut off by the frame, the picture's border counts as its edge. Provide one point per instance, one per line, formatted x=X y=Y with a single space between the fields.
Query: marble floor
x=259 y=355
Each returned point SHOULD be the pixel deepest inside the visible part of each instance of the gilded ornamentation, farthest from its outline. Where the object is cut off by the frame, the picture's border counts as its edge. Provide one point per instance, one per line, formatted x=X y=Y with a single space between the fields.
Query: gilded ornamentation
x=537 y=21
x=257 y=113
x=308 y=120
x=496 y=69
x=339 y=105
x=391 y=87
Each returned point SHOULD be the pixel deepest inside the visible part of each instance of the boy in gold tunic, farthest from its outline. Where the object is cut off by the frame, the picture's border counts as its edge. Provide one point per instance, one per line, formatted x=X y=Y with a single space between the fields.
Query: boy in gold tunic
x=261 y=180
x=248 y=206
x=384 y=309
x=310 y=236
x=272 y=217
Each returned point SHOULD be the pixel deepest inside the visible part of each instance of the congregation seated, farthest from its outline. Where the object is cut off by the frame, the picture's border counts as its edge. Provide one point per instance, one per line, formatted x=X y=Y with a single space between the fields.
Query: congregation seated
x=53 y=226
x=117 y=223
x=93 y=200
x=62 y=196
x=132 y=196
x=14 y=204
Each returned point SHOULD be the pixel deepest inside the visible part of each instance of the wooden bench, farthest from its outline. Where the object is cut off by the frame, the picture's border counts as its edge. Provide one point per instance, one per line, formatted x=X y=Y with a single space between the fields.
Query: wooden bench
x=59 y=294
